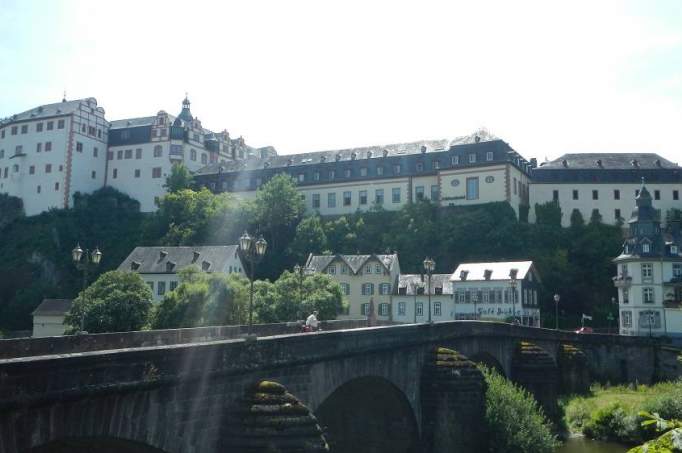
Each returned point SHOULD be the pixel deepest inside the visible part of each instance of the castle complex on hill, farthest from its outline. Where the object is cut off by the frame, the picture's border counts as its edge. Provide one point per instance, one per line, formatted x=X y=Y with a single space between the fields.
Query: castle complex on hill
x=50 y=152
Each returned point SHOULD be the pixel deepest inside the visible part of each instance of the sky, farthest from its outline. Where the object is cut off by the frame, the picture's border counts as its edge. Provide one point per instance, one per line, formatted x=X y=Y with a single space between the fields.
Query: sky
x=548 y=77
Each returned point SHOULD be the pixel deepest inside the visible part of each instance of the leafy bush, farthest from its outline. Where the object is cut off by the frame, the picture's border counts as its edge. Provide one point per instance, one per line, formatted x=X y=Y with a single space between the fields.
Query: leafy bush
x=116 y=302
x=515 y=422
x=667 y=405
x=614 y=422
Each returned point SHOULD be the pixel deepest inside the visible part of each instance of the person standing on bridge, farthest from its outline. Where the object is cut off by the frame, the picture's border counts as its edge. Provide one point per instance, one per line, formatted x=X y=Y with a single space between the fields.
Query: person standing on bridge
x=312 y=324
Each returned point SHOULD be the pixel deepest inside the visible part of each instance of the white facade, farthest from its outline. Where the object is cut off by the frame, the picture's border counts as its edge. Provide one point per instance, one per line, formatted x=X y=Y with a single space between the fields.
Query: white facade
x=613 y=201
x=411 y=300
x=48 y=317
x=49 y=153
x=486 y=291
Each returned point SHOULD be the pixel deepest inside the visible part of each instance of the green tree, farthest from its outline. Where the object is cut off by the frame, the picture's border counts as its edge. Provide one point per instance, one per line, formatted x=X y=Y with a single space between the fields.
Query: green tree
x=293 y=301
x=186 y=217
x=179 y=179
x=202 y=299
x=11 y=208
x=309 y=238
x=515 y=422
x=595 y=217
x=116 y=302
x=548 y=213
x=577 y=219
x=278 y=209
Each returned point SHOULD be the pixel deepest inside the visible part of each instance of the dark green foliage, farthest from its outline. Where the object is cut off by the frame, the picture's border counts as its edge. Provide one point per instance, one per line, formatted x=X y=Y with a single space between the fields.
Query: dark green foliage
x=577 y=219
x=596 y=217
x=310 y=238
x=614 y=422
x=515 y=422
x=202 y=300
x=116 y=302
x=667 y=405
x=36 y=250
x=548 y=213
x=179 y=179
x=11 y=208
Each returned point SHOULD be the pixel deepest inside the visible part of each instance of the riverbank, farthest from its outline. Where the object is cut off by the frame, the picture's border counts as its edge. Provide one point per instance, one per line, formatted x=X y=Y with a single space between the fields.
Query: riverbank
x=612 y=413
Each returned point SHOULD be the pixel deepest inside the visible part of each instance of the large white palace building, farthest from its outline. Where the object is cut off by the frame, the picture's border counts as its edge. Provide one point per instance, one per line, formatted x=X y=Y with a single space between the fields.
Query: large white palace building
x=50 y=152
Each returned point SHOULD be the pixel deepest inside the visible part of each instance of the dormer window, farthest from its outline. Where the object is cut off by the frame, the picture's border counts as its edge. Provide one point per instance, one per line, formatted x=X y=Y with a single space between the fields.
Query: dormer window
x=646 y=248
x=205 y=266
x=195 y=256
x=438 y=290
x=163 y=254
x=463 y=275
x=513 y=273
x=134 y=266
x=385 y=153
x=674 y=250
x=487 y=274
x=170 y=266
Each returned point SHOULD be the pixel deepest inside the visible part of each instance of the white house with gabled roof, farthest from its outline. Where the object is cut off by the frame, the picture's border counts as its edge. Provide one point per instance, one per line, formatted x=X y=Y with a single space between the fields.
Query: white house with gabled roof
x=492 y=291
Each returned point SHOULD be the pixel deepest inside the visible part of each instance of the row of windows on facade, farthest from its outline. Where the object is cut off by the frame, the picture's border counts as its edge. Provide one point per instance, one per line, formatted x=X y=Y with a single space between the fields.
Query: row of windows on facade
x=176 y=150
x=380 y=171
x=344 y=269
x=648 y=295
x=645 y=319
x=156 y=173
x=31 y=170
x=616 y=194
x=49 y=125
x=472 y=193
x=384 y=308
x=159 y=132
x=495 y=296
x=647 y=269
x=47 y=147
x=367 y=289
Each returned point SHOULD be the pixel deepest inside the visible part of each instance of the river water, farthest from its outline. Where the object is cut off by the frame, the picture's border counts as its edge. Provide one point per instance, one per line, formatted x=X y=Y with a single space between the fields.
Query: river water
x=584 y=445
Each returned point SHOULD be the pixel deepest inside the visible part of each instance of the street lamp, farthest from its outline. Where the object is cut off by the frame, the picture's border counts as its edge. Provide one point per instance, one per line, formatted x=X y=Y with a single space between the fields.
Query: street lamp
x=414 y=285
x=84 y=260
x=512 y=282
x=252 y=252
x=301 y=273
x=429 y=266
x=557 y=297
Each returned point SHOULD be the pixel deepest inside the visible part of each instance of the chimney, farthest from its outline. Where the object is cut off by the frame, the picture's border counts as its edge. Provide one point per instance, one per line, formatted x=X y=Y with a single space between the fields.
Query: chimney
x=163 y=254
x=195 y=256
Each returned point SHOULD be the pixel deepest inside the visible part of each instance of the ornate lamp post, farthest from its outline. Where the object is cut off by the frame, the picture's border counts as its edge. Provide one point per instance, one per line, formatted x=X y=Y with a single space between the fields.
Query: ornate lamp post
x=414 y=285
x=429 y=266
x=512 y=282
x=84 y=260
x=557 y=297
x=301 y=273
x=251 y=251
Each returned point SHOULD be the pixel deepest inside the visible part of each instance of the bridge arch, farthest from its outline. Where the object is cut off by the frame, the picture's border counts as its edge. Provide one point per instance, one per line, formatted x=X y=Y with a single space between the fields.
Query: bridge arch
x=369 y=414
x=90 y=444
x=489 y=360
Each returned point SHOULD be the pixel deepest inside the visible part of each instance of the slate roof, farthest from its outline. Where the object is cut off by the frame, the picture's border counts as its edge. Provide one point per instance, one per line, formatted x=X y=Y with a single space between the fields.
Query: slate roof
x=500 y=270
x=149 y=260
x=48 y=110
x=53 y=307
x=609 y=161
x=360 y=153
x=134 y=122
x=437 y=281
x=355 y=262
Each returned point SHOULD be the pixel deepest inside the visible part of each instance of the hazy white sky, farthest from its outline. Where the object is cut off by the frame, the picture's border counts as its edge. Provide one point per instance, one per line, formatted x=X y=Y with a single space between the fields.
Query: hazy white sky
x=548 y=77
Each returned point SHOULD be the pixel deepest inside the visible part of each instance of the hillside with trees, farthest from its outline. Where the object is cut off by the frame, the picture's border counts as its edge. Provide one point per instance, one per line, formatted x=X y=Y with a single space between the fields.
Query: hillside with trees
x=574 y=262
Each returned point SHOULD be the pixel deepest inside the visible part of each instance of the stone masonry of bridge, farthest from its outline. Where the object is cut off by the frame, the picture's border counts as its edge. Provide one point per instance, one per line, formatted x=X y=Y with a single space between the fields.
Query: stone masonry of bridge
x=402 y=388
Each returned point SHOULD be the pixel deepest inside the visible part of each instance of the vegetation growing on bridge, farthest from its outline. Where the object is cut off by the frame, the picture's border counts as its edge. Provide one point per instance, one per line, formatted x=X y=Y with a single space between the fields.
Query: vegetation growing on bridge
x=515 y=421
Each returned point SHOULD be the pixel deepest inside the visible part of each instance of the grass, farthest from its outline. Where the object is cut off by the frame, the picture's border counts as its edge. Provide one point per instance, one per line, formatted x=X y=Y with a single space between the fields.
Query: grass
x=611 y=411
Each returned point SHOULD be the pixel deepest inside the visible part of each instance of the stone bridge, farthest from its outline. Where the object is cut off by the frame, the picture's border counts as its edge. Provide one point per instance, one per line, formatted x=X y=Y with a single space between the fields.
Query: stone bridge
x=399 y=388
